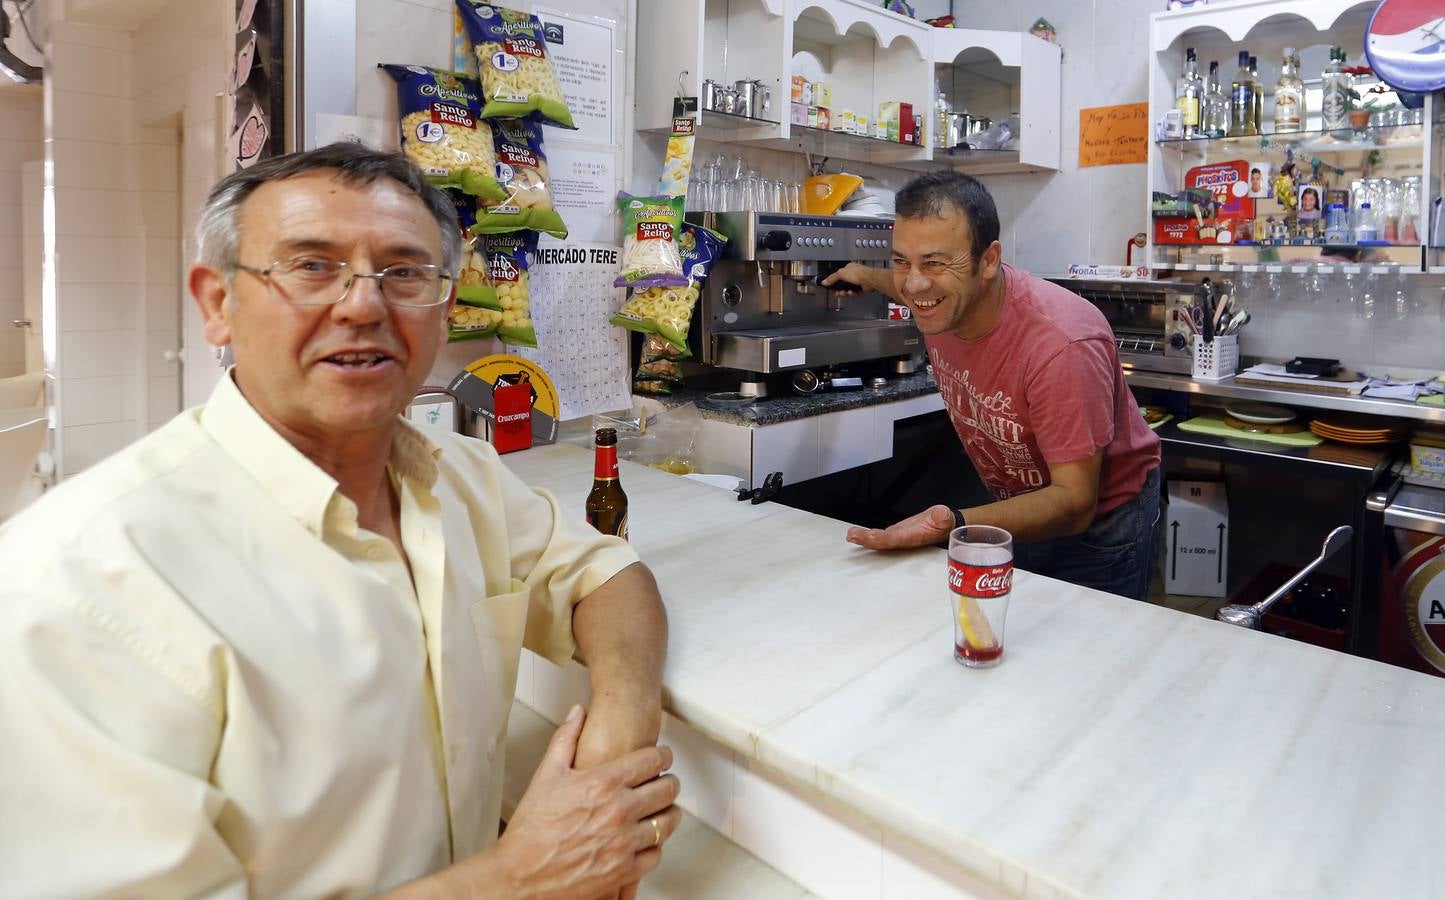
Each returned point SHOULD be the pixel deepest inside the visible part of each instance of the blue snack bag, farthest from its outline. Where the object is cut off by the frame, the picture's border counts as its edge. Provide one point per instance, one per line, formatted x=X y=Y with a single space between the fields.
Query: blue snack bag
x=442 y=130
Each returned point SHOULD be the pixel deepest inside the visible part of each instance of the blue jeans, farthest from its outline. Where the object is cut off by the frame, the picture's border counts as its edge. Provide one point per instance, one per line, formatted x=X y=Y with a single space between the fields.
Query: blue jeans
x=1114 y=554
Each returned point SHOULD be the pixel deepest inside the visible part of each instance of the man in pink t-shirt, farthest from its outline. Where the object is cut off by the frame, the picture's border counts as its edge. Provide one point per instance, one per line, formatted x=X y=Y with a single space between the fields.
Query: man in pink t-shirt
x=1031 y=381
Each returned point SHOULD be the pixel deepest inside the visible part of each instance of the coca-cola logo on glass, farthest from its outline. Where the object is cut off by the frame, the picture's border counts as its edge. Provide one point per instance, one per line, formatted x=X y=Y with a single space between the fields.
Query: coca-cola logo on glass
x=980 y=581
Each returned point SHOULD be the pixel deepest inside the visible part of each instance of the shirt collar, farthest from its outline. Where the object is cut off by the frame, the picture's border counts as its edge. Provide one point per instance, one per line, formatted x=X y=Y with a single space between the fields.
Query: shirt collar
x=291 y=479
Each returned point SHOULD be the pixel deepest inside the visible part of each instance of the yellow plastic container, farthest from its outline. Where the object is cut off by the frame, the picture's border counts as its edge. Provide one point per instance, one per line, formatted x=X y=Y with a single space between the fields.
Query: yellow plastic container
x=824 y=195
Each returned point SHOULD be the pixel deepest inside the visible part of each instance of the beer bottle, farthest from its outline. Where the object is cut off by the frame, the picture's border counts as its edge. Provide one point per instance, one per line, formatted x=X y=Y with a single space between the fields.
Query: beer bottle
x=607 y=503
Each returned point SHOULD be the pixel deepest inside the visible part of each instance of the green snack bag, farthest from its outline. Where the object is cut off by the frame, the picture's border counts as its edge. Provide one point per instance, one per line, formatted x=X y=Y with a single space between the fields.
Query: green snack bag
x=522 y=174
x=517 y=75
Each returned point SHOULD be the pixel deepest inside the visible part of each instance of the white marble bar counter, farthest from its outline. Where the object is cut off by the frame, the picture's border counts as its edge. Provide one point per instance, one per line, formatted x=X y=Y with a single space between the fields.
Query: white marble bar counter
x=1121 y=750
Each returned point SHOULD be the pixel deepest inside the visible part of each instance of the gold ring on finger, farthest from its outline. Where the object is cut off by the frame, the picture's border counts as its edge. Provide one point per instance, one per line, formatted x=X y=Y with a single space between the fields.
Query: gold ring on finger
x=656 y=834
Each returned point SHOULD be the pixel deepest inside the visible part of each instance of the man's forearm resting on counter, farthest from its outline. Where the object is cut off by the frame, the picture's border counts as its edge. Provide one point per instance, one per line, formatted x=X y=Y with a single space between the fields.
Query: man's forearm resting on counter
x=621 y=633
x=1066 y=506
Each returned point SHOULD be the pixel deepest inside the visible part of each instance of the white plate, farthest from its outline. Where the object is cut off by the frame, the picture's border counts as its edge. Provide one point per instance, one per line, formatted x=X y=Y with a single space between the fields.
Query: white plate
x=1261 y=413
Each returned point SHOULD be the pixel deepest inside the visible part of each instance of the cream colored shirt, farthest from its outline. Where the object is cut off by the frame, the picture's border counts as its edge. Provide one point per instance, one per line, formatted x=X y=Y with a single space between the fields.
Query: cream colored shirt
x=213 y=683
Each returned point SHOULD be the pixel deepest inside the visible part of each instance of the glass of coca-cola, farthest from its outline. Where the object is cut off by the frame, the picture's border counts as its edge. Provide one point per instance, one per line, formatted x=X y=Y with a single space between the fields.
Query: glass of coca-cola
x=980 y=577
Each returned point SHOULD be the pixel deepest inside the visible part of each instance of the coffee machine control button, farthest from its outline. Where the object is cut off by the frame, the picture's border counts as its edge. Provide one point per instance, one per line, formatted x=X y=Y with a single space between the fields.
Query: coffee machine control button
x=775 y=240
x=828 y=241
x=732 y=295
x=1178 y=341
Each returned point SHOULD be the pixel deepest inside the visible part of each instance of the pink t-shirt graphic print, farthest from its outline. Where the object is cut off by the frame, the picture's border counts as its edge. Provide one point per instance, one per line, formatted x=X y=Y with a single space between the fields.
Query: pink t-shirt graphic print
x=1043 y=386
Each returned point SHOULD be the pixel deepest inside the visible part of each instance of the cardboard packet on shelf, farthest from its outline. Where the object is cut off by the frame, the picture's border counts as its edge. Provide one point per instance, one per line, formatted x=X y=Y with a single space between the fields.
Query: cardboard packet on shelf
x=822 y=94
x=825 y=119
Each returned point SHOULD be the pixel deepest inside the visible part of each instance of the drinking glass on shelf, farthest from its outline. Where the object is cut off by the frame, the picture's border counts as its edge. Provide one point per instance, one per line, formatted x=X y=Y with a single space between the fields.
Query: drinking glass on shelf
x=794 y=197
x=1315 y=285
x=1246 y=284
x=778 y=196
x=1400 y=301
x=1367 y=297
x=1273 y=276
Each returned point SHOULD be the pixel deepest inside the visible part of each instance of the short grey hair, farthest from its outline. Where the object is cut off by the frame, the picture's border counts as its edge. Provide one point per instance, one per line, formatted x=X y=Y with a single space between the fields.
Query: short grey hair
x=218 y=236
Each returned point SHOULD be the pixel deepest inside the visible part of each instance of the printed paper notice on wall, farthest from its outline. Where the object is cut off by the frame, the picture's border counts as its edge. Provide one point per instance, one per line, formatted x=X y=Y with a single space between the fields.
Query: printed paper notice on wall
x=1114 y=135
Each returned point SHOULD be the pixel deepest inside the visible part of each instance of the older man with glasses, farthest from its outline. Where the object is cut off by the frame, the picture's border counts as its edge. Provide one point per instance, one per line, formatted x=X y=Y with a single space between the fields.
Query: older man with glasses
x=270 y=649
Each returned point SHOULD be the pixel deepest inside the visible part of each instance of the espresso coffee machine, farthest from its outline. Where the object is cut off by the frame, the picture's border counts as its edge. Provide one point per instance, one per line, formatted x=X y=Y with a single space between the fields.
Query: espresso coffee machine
x=764 y=311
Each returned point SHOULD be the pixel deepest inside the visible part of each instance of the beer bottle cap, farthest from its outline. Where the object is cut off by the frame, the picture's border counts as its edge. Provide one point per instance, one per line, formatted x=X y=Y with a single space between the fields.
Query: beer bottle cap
x=606 y=437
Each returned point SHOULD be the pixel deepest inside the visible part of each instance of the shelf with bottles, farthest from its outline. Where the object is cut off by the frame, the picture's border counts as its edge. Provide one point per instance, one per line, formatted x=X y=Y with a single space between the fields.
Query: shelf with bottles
x=1284 y=81
x=1316 y=141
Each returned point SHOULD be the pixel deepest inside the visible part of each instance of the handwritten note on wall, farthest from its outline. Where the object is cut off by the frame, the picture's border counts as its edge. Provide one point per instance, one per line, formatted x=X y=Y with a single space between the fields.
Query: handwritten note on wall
x=1114 y=135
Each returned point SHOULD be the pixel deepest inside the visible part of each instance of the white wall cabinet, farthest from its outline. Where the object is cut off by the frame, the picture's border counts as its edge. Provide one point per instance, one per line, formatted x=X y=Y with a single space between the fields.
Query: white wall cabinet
x=868 y=56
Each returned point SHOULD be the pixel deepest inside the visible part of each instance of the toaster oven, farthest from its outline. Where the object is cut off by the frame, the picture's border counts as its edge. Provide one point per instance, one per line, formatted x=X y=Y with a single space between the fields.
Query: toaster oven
x=1150 y=320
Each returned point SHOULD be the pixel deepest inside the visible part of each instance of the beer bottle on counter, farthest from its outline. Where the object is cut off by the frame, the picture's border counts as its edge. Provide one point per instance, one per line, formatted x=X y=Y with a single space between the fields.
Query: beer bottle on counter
x=607 y=502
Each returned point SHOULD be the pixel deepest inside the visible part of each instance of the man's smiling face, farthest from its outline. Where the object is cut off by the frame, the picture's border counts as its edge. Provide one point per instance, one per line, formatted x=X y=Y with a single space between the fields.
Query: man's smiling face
x=935 y=273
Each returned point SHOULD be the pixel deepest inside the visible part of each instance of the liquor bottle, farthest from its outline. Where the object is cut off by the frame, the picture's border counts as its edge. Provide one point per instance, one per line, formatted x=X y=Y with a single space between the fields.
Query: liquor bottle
x=1334 y=108
x=607 y=502
x=1258 y=95
x=1289 y=95
x=1216 y=105
x=1241 y=100
x=1189 y=95
x=942 y=114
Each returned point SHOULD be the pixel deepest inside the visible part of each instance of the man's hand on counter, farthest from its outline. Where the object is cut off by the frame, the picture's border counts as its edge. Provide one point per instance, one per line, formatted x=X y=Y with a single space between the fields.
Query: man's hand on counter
x=921 y=530
x=869 y=278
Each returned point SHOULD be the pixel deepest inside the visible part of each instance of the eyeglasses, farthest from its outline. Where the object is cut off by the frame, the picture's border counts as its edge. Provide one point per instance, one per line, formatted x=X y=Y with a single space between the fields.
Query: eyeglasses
x=319 y=281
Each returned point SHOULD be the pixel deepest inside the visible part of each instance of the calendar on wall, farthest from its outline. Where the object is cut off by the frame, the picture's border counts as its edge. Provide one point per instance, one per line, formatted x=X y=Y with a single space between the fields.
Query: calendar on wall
x=572 y=301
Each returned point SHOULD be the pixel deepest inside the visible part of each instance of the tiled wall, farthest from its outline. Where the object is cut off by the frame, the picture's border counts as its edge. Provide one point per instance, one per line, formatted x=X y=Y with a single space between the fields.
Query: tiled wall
x=22 y=140
x=131 y=118
x=98 y=250
x=180 y=67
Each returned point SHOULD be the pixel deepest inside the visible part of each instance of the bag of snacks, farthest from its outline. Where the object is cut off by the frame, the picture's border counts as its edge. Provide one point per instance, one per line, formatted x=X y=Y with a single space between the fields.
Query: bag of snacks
x=471 y=323
x=677 y=164
x=650 y=229
x=508 y=258
x=463 y=59
x=658 y=370
x=667 y=311
x=522 y=174
x=517 y=77
x=474 y=280
x=442 y=131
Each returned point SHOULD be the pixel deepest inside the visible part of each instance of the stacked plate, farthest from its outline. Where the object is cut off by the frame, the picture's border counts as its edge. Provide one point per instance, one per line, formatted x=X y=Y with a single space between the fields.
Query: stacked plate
x=1260 y=413
x=1364 y=431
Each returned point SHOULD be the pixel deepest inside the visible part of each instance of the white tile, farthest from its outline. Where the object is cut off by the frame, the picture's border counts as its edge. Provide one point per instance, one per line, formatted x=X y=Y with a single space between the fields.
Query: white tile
x=159 y=342
x=86 y=445
x=97 y=260
x=21 y=141
x=706 y=770
x=90 y=117
x=81 y=212
x=160 y=213
x=97 y=307
x=163 y=305
x=90 y=36
x=160 y=167
x=817 y=844
x=556 y=688
x=12 y=350
x=92 y=70
x=94 y=354
x=10 y=254
x=163 y=398
x=84 y=164
x=163 y=260
x=388 y=31
x=1117 y=195
x=10 y=220
x=11 y=286
x=164 y=137
x=95 y=401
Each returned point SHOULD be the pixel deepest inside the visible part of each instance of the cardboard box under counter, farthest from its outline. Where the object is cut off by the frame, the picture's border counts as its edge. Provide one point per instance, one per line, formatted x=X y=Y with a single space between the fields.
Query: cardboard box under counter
x=1196 y=539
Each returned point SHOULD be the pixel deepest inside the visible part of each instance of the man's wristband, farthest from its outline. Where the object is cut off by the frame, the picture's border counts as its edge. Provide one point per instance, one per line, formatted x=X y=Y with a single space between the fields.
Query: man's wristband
x=958 y=521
